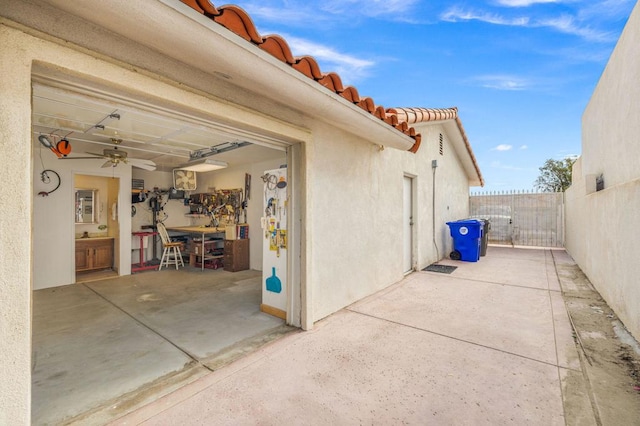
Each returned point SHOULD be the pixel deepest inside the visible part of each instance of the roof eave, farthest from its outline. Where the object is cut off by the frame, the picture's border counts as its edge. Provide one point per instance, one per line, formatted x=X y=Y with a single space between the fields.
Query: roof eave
x=461 y=145
x=197 y=41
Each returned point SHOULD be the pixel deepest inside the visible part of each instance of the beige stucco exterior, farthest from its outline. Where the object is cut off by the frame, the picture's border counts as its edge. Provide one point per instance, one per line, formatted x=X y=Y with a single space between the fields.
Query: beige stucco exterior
x=349 y=190
x=602 y=226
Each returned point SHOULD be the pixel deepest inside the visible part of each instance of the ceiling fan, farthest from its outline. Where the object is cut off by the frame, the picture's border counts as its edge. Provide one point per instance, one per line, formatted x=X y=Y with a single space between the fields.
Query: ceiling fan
x=116 y=156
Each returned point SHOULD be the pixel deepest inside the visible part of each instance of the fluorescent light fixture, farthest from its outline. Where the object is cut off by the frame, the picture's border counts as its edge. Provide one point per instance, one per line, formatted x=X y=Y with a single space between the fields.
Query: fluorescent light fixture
x=204 y=165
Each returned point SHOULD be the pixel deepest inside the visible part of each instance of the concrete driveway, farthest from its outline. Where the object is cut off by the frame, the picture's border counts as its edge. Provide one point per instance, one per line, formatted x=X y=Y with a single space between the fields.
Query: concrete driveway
x=490 y=343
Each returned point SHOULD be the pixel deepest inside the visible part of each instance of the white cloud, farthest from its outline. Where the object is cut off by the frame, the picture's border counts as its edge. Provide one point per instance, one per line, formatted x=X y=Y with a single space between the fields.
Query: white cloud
x=369 y=7
x=303 y=12
x=523 y=3
x=502 y=147
x=503 y=82
x=456 y=14
x=523 y=147
x=350 y=68
x=277 y=14
x=568 y=25
x=565 y=23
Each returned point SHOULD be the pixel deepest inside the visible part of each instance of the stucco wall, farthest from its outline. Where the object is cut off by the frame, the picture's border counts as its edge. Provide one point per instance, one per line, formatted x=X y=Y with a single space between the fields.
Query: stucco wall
x=602 y=227
x=356 y=213
x=15 y=231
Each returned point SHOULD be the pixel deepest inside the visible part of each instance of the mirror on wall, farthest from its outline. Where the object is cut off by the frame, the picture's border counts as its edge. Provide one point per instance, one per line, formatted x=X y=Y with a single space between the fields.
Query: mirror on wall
x=86 y=202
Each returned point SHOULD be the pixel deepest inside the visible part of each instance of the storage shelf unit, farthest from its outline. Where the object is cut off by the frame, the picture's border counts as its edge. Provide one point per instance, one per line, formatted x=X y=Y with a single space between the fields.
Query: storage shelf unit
x=213 y=255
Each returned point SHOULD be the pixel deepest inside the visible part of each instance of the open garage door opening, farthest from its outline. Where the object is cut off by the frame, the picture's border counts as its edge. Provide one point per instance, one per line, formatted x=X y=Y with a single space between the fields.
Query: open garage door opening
x=116 y=195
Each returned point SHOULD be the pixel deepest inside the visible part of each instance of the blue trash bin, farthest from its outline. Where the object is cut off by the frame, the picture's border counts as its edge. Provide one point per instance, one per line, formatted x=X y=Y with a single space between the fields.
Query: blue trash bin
x=467 y=239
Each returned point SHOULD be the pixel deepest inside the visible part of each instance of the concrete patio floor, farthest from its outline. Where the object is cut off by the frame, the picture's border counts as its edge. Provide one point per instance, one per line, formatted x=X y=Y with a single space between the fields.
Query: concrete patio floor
x=491 y=343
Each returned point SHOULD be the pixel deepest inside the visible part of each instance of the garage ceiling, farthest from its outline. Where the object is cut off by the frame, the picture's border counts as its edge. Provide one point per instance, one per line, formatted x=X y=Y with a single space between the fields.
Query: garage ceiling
x=90 y=124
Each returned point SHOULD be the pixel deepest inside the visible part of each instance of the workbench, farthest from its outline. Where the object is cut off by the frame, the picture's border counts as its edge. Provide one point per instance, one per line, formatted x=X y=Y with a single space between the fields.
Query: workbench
x=202 y=231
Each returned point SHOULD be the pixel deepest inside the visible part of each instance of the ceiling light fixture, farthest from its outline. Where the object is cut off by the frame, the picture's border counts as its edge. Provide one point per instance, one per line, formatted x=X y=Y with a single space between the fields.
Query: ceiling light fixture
x=204 y=165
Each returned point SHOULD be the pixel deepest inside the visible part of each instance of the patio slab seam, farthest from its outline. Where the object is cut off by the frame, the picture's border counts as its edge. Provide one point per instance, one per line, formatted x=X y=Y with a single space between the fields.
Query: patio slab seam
x=488 y=282
x=450 y=337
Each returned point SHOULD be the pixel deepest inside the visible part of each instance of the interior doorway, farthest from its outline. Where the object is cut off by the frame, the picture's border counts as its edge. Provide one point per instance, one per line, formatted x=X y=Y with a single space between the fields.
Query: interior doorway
x=96 y=227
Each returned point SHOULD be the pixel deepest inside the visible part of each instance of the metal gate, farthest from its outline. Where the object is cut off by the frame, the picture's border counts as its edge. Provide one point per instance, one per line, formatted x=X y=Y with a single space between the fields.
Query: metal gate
x=522 y=218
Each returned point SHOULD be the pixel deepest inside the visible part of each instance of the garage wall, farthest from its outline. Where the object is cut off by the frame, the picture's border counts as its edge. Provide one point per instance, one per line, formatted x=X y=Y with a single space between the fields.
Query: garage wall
x=233 y=177
x=53 y=217
x=174 y=210
x=355 y=218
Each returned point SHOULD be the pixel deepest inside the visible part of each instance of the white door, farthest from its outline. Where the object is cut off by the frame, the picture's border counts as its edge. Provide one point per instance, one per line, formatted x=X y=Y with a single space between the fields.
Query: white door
x=407 y=223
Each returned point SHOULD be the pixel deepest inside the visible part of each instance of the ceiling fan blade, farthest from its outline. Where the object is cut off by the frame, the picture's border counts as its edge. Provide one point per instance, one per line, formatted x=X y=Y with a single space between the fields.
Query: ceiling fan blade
x=142 y=164
x=96 y=154
x=109 y=163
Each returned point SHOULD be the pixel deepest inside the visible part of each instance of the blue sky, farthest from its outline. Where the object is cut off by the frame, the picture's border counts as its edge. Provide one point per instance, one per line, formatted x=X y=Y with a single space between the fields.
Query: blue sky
x=520 y=71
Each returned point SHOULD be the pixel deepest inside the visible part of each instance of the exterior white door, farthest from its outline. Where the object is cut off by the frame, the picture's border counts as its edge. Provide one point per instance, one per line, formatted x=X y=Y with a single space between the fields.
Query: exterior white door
x=407 y=223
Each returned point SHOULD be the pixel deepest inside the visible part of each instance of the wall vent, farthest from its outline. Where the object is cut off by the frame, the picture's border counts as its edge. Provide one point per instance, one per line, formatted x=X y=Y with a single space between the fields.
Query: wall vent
x=441 y=144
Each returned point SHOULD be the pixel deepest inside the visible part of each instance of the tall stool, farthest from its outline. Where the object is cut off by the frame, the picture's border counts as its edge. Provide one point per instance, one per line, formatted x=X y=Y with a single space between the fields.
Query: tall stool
x=171 y=254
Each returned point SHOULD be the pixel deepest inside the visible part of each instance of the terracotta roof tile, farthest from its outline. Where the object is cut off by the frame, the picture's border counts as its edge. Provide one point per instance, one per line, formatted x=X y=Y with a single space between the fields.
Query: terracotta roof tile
x=367 y=104
x=308 y=66
x=350 y=93
x=208 y=8
x=238 y=21
x=278 y=47
x=416 y=145
x=332 y=81
x=391 y=119
x=193 y=4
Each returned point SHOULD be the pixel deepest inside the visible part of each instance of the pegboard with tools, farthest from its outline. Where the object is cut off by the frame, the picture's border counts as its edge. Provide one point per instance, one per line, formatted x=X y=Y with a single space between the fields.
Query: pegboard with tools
x=275 y=212
x=225 y=206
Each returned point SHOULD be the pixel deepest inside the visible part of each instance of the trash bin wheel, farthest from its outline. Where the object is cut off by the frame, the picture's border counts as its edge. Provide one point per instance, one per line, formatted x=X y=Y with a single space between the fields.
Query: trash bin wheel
x=455 y=255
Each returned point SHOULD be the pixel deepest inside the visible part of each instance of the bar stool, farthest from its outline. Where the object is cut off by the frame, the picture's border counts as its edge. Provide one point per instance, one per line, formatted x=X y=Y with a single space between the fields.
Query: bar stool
x=171 y=254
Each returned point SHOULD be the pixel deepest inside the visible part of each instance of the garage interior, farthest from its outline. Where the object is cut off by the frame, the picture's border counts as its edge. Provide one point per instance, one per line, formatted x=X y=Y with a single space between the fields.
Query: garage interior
x=108 y=343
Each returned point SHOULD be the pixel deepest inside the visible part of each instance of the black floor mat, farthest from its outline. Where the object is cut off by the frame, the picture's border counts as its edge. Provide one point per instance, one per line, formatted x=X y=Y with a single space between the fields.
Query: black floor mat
x=445 y=269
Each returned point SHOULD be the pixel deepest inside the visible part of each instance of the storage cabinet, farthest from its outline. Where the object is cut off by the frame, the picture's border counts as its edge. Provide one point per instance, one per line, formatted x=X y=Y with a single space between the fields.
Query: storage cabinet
x=94 y=254
x=236 y=255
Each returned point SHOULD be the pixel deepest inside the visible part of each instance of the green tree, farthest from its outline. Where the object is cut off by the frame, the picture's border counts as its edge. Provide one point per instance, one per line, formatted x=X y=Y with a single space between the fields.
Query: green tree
x=555 y=175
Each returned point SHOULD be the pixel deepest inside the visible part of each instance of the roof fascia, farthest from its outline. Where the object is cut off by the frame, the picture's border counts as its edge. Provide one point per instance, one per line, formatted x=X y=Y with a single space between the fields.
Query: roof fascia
x=194 y=39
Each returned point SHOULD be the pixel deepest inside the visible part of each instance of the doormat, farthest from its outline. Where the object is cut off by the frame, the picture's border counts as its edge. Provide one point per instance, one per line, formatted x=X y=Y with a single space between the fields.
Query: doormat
x=444 y=269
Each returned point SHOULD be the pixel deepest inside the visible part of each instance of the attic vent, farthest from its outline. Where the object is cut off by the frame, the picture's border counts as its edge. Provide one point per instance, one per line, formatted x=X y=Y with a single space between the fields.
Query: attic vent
x=441 y=145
